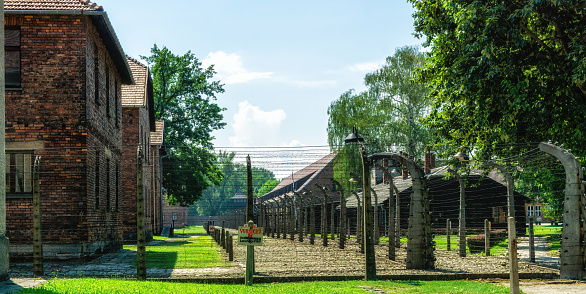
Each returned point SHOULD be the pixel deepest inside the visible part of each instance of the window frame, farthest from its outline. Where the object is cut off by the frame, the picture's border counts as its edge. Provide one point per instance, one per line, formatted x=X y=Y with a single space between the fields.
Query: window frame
x=13 y=48
x=11 y=177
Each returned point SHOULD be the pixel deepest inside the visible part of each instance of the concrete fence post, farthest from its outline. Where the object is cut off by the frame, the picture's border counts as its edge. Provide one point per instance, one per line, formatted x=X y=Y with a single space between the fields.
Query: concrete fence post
x=572 y=257
x=448 y=233
x=140 y=219
x=37 y=234
x=486 y=238
x=531 y=241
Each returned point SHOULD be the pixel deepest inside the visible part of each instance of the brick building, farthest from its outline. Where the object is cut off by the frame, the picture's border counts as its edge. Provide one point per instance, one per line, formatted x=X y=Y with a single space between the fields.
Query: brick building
x=174 y=215
x=138 y=123
x=158 y=152
x=64 y=72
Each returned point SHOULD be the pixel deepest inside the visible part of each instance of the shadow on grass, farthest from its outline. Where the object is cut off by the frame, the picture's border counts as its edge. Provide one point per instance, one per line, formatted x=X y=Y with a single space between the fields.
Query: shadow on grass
x=167 y=260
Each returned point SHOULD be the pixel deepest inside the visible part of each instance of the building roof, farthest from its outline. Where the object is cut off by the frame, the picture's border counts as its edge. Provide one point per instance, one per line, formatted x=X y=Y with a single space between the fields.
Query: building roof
x=437 y=175
x=141 y=93
x=157 y=135
x=135 y=95
x=95 y=13
x=82 y=5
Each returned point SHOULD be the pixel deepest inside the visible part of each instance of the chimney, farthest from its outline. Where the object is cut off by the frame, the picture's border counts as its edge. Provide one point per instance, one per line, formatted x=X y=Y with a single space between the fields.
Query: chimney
x=404 y=170
x=429 y=162
x=386 y=168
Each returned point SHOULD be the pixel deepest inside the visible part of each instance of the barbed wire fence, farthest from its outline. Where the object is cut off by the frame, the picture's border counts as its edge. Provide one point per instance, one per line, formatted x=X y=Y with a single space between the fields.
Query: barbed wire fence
x=303 y=222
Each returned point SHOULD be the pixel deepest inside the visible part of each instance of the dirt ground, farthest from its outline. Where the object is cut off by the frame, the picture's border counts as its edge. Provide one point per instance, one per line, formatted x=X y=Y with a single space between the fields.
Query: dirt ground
x=280 y=258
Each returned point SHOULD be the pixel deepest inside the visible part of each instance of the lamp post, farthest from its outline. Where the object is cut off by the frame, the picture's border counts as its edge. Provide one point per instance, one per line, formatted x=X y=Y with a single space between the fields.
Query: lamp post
x=370 y=272
x=463 y=158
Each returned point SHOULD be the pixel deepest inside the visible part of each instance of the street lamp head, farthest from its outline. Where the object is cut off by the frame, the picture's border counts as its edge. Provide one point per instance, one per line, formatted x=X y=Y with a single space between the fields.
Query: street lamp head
x=353 y=180
x=462 y=156
x=354 y=137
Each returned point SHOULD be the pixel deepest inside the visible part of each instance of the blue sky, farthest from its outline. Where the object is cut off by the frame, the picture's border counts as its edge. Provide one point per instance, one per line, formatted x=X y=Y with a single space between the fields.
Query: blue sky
x=282 y=62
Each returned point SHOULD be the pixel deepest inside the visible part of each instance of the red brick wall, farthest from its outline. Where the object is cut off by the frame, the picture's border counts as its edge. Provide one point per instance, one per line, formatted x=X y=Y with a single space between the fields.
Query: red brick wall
x=56 y=106
x=136 y=132
x=168 y=211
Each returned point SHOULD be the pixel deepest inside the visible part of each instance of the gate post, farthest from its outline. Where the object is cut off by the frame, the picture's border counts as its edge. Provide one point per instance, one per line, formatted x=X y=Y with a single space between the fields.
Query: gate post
x=572 y=253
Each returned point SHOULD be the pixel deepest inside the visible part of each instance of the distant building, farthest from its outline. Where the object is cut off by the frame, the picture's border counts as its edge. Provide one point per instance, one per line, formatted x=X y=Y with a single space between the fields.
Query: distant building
x=138 y=123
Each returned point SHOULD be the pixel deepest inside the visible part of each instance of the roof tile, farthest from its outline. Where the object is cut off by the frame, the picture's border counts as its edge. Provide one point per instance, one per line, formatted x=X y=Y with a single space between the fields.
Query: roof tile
x=135 y=95
x=157 y=135
x=74 y=5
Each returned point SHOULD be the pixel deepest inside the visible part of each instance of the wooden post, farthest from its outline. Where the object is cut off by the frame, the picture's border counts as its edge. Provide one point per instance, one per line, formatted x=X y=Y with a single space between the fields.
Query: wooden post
x=230 y=247
x=486 y=238
x=462 y=214
x=376 y=229
x=37 y=236
x=370 y=261
x=301 y=222
x=249 y=217
x=223 y=235
x=448 y=231
x=359 y=222
x=531 y=241
x=227 y=241
x=140 y=219
x=311 y=218
x=513 y=262
x=343 y=219
x=249 y=260
x=324 y=217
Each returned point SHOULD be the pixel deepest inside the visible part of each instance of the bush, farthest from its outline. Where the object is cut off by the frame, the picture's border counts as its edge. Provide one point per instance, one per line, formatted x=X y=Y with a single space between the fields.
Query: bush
x=476 y=243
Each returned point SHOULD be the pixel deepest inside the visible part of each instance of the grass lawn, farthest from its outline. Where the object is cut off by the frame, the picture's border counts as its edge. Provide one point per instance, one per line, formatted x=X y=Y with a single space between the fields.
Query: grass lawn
x=554 y=234
x=197 y=252
x=191 y=230
x=89 y=285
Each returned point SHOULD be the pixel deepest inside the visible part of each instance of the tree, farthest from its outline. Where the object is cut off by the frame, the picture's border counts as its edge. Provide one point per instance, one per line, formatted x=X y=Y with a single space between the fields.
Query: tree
x=403 y=101
x=184 y=95
x=505 y=72
x=387 y=115
x=267 y=187
x=217 y=200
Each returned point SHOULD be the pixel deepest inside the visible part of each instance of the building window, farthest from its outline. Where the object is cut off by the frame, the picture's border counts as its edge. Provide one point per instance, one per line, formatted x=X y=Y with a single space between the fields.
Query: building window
x=19 y=176
x=12 y=55
x=530 y=211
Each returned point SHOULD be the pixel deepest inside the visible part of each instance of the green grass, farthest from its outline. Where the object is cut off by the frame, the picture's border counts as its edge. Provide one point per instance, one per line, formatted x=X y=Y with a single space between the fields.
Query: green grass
x=191 y=230
x=553 y=232
x=95 y=286
x=198 y=252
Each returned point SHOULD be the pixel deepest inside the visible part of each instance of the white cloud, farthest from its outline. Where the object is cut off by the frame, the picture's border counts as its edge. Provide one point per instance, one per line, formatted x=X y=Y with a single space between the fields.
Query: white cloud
x=365 y=67
x=230 y=69
x=256 y=127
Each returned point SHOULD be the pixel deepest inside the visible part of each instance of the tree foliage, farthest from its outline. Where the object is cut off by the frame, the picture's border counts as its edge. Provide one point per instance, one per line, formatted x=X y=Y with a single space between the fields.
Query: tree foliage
x=217 y=200
x=387 y=114
x=184 y=95
x=505 y=72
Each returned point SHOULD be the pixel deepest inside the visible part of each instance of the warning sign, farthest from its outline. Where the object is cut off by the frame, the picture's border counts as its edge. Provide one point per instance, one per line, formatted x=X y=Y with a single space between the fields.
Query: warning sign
x=250 y=236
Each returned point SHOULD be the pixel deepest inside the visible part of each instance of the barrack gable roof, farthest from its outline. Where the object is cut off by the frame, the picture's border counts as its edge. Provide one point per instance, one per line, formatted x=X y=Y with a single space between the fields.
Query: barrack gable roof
x=157 y=135
x=135 y=95
x=141 y=93
x=77 y=5
x=95 y=13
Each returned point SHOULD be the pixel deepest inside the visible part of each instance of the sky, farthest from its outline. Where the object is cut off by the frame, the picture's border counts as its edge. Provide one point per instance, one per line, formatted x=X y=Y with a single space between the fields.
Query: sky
x=282 y=62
